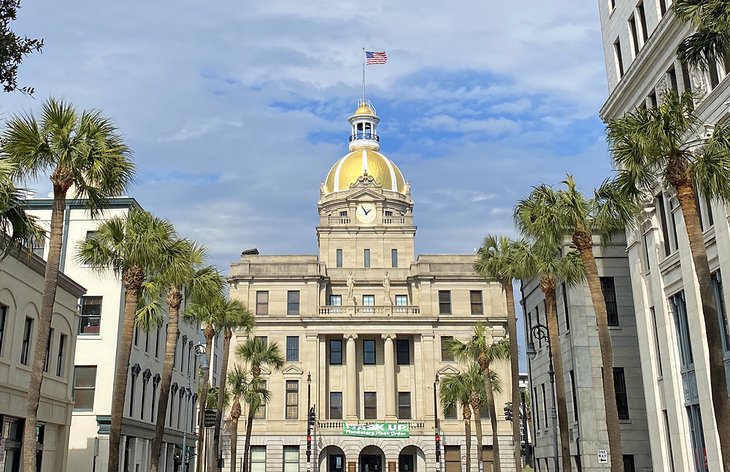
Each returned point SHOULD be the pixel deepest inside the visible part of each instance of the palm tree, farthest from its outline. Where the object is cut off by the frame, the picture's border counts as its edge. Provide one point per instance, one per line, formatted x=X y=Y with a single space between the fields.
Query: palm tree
x=545 y=262
x=548 y=215
x=254 y=394
x=711 y=39
x=234 y=315
x=185 y=274
x=16 y=226
x=256 y=352
x=651 y=145
x=478 y=398
x=484 y=353
x=80 y=150
x=132 y=247
x=456 y=390
x=496 y=262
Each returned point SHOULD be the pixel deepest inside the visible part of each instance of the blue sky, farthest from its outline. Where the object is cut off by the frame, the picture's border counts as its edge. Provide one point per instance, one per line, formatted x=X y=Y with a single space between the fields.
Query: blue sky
x=235 y=112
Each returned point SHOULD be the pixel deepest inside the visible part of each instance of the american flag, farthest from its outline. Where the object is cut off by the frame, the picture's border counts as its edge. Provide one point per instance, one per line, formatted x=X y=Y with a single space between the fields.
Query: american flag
x=373 y=57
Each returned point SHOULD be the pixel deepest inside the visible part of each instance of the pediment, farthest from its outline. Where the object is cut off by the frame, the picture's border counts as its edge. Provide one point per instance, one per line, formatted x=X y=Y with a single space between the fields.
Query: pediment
x=448 y=370
x=292 y=370
x=366 y=194
x=265 y=371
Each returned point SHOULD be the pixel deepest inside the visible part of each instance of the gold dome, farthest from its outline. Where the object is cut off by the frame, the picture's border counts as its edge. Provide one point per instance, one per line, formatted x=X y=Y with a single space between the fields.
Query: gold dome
x=364 y=109
x=356 y=163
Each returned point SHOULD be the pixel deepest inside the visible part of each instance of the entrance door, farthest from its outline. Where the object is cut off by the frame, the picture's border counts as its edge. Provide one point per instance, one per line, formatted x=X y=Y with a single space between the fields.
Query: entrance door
x=336 y=463
x=371 y=463
x=406 y=463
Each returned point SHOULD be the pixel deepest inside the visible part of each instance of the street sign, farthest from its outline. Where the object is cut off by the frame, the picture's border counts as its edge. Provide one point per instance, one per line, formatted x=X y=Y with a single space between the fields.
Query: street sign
x=209 y=418
x=602 y=456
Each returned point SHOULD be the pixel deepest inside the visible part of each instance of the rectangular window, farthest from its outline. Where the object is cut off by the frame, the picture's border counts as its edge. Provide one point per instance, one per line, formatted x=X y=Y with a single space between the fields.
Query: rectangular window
x=682 y=327
x=536 y=413
x=258 y=458
x=672 y=78
x=686 y=78
x=673 y=205
x=157 y=341
x=663 y=222
x=656 y=341
x=629 y=463
x=618 y=58
x=634 y=35
x=368 y=351
x=642 y=21
x=574 y=393
x=565 y=307
x=338 y=257
x=403 y=354
x=446 y=355
x=404 y=405
x=694 y=415
x=366 y=258
x=714 y=77
x=475 y=298
x=25 y=346
x=544 y=406
x=663 y=7
x=721 y=311
x=450 y=413
x=261 y=411
x=147 y=341
x=368 y=300
x=401 y=300
x=444 y=302
x=371 y=405
x=335 y=351
x=61 y=355
x=90 y=315
x=669 y=440
x=262 y=303
x=619 y=385
x=292 y=302
x=292 y=348
x=292 y=399
x=652 y=99
x=291 y=458
x=336 y=300
x=394 y=258
x=335 y=406
x=537 y=317
x=3 y=322
x=136 y=340
x=84 y=385
x=49 y=345
x=609 y=296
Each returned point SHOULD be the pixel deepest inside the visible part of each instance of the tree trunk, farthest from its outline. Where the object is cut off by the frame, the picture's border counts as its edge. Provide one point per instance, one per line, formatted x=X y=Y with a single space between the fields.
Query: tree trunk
x=209 y=333
x=492 y=419
x=584 y=242
x=235 y=414
x=174 y=300
x=552 y=321
x=467 y=436
x=228 y=333
x=476 y=410
x=44 y=328
x=514 y=361
x=132 y=280
x=718 y=381
x=247 y=444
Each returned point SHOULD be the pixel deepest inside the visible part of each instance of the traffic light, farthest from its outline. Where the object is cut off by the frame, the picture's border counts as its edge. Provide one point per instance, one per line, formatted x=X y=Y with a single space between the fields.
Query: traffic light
x=508 y=411
x=438 y=448
x=311 y=418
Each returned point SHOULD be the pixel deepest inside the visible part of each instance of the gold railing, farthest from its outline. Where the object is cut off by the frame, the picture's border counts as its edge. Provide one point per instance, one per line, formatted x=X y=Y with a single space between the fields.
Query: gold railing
x=334 y=310
x=339 y=424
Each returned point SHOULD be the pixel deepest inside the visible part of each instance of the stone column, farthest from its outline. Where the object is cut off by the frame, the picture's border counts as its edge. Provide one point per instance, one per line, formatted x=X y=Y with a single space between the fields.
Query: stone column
x=389 y=377
x=351 y=366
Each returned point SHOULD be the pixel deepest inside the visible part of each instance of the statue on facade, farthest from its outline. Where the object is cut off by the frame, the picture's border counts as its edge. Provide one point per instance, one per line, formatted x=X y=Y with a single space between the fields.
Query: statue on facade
x=386 y=287
x=350 y=288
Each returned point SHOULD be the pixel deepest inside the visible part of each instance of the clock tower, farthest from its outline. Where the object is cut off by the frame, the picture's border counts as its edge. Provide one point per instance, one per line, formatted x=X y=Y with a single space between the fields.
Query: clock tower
x=365 y=207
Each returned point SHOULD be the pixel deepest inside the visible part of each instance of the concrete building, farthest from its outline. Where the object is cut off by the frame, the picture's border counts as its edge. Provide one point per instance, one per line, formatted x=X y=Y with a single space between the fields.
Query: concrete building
x=21 y=291
x=369 y=321
x=640 y=41
x=95 y=361
x=582 y=369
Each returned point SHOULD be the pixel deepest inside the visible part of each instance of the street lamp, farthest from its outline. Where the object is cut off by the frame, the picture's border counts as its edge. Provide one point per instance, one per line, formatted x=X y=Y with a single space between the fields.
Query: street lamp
x=437 y=434
x=200 y=352
x=541 y=333
x=309 y=421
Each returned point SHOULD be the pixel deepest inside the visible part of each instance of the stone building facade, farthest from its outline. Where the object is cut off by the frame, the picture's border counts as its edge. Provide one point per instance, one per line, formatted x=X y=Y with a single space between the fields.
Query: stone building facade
x=363 y=327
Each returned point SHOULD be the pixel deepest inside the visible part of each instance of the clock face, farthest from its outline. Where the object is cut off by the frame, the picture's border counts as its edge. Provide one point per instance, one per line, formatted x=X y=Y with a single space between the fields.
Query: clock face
x=365 y=212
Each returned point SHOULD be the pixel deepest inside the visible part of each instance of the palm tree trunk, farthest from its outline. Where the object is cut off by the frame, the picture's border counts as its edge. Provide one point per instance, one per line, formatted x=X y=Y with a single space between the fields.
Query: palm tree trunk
x=132 y=280
x=718 y=381
x=234 y=436
x=552 y=321
x=228 y=333
x=209 y=333
x=476 y=410
x=174 y=302
x=493 y=421
x=247 y=444
x=584 y=242
x=467 y=436
x=44 y=328
x=514 y=362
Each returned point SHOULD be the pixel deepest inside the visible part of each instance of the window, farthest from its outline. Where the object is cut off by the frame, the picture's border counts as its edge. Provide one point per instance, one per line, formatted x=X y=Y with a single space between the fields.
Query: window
x=609 y=296
x=133 y=388
x=261 y=411
x=258 y=458
x=292 y=399
x=452 y=458
x=694 y=416
x=84 y=385
x=335 y=351
x=477 y=307
x=3 y=322
x=634 y=35
x=682 y=328
x=617 y=56
x=669 y=439
x=565 y=307
x=368 y=351
x=49 y=345
x=368 y=300
x=714 y=77
x=446 y=355
x=656 y=342
x=145 y=380
x=292 y=302
x=686 y=78
x=90 y=315
x=663 y=7
x=652 y=99
x=371 y=405
x=61 y=355
x=338 y=257
x=335 y=406
x=544 y=405
x=575 y=396
x=336 y=300
x=642 y=21
x=672 y=79
x=619 y=385
x=401 y=300
x=146 y=341
x=629 y=463
x=292 y=348
x=366 y=258
x=343 y=214
x=155 y=382
x=721 y=311
x=37 y=245
x=663 y=222
x=444 y=302
x=394 y=258
x=450 y=412
x=404 y=405
x=25 y=346
x=157 y=341
x=536 y=412
x=136 y=340
x=291 y=458
x=403 y=348
x=262 y=303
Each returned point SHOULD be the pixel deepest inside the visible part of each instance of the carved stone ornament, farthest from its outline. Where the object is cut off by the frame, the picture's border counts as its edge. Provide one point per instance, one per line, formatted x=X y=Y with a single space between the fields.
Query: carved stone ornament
x=365 y=180
x=661 y=88
x=699 y=87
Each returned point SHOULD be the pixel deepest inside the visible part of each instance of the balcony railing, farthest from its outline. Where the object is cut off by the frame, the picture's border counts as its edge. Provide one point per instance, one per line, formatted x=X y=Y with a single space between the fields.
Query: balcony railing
x=394 y=220
x=365 y=135
x=339 y=220
x=339 y=424
x=337 y=310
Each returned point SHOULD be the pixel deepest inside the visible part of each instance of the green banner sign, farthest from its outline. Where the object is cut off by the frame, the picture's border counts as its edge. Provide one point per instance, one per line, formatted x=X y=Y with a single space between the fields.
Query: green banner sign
x=378 y=430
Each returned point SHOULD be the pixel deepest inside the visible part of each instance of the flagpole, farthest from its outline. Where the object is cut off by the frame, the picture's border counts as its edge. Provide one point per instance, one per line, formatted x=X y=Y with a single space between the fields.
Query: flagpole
x=364 y=61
